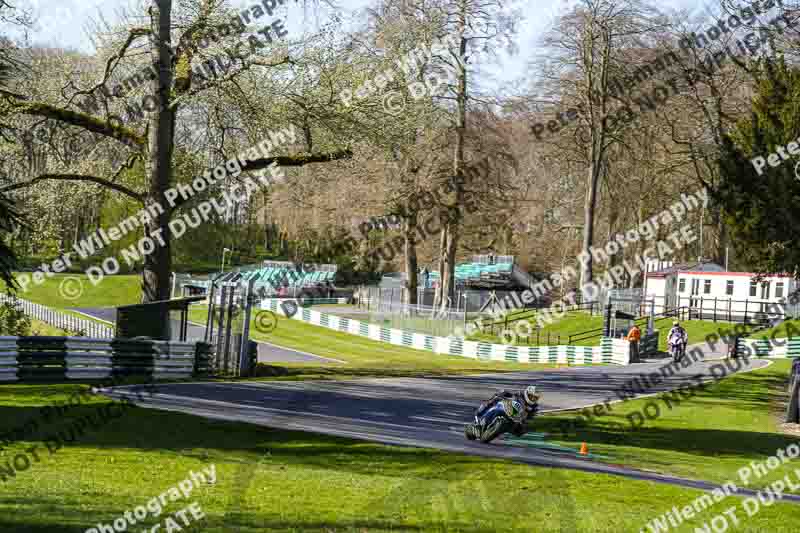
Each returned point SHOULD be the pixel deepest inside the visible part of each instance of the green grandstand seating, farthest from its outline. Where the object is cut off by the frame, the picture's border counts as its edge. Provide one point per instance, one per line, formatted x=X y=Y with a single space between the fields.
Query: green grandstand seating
x=476 y=271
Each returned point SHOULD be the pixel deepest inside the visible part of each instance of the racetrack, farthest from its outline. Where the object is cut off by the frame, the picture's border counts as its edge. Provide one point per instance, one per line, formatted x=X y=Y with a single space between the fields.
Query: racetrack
x=267 y=352
x=425 y=412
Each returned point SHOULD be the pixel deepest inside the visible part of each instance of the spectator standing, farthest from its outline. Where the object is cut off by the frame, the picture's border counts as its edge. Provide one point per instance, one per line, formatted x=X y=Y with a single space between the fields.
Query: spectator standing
x=634 y=336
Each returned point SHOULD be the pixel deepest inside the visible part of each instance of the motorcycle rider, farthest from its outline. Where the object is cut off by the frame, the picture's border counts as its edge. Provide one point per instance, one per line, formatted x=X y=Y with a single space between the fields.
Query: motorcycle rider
x=677 y=336
x=527 y=398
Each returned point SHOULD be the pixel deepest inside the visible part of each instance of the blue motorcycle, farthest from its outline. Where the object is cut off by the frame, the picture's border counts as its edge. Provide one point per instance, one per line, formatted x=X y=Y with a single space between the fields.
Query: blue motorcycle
x=498 y=419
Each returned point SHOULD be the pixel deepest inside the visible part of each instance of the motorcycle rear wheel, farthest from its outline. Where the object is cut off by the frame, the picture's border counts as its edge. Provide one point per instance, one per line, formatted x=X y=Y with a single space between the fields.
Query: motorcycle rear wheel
x=494 y=430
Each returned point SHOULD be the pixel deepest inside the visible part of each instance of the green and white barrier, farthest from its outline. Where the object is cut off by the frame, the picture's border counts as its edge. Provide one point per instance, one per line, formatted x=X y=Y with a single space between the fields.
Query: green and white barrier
x=613 y=351
x=776 y=348
x=306 y=301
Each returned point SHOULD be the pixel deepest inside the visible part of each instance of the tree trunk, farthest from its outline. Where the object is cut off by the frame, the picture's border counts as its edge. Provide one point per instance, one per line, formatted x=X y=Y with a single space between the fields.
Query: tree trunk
x=588 y=221
x=158 y=165
x=638 y=249
x=410 y=248
x=595 y=85
x=447 y=263
x=450 y=231
x=721 y=241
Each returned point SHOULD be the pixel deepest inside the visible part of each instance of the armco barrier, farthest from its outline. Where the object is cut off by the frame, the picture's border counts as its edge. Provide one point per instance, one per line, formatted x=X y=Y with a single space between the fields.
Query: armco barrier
x=649 y=344
x=63 y=358
x=614 y=351
x=777 y=348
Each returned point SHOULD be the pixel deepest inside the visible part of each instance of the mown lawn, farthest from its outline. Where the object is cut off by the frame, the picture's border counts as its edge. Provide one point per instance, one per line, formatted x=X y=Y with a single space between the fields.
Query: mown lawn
x=558 y=331
x=57 y=292
x=271 y=480
x=790 y=328
x=707 y=436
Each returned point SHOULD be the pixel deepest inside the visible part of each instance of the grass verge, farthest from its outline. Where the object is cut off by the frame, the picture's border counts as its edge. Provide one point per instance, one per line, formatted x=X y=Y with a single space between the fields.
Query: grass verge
x=43 y=328
x=278 y=481
x=57 y=293
x=707 y=436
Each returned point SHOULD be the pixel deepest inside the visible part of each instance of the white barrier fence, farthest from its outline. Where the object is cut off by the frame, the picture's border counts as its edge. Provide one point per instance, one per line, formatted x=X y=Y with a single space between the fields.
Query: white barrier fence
x=615 y=351
x=62 y=320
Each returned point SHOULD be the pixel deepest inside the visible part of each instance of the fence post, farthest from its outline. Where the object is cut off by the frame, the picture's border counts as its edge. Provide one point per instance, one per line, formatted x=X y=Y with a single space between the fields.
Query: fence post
x=793 y=409
x=746 y=301
x=715 y=308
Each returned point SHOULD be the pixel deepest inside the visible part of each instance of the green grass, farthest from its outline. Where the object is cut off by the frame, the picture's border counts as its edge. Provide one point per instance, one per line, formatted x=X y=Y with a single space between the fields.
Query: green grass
x=708 y=436
x=109 y=292
x=441 y=328
x=44 y=329
x=559 y=330
x=580 y=321
x=779 y=332
x=697 y=330
x=363 y=357
x=278 y=481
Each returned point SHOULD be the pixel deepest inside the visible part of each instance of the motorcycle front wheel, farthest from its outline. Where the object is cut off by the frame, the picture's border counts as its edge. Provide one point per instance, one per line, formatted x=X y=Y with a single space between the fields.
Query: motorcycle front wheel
x=493 y=430
x=471 y=432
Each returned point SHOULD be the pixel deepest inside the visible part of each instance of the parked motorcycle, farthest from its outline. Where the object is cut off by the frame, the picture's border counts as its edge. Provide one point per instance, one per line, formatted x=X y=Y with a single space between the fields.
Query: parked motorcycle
x=498 y=419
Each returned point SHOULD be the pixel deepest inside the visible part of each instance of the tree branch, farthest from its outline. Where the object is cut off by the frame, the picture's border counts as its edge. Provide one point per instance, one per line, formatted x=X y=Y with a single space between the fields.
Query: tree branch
x=297 y=160
x=283 y=161
x=74 y=177
x=114 y=60
x=82 y=120
x=187 y=89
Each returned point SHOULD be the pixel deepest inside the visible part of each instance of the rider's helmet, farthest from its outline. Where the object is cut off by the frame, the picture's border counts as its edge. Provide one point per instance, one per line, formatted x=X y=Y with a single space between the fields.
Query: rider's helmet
x=530 y=395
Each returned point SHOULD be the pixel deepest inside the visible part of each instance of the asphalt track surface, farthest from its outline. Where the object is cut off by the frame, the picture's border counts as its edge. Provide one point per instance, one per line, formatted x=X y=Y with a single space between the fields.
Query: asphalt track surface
x=422 y=412
x=267 y=352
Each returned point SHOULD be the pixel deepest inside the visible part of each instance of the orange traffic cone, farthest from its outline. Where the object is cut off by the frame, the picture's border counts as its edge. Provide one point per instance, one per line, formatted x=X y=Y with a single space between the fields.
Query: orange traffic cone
x=584 y=449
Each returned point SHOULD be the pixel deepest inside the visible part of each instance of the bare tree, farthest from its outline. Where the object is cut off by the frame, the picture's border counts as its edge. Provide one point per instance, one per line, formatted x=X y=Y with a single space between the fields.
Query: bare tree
x=585 y=53
x=174 y=83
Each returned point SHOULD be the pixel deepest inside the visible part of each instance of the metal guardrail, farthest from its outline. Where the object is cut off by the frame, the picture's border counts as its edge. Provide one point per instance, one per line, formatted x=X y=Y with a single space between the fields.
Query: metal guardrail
x=62 y=358
x=598 y=332
x=730 y=310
